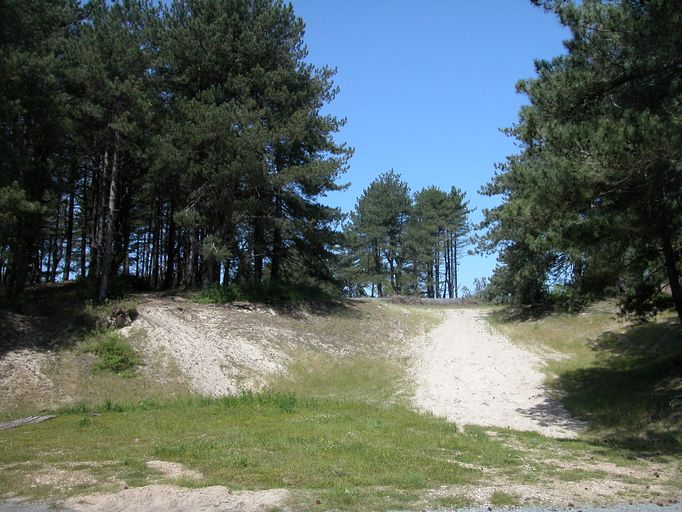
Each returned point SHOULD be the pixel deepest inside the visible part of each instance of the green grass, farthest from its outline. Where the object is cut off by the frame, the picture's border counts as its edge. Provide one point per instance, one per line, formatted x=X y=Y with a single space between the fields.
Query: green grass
x=624 y=379
x=504 y=499
x=356 y=378
x=114 y=352
x=217 y=295
x=263 y=441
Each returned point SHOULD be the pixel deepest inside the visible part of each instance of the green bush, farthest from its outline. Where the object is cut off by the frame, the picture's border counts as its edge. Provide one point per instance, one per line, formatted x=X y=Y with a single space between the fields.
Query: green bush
x=115 y=354
x=216 y=294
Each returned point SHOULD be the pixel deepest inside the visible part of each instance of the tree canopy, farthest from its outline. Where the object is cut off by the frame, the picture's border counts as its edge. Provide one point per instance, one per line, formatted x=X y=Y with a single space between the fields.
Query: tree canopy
x=406 y=244
x=183 y=144
x=593 y=200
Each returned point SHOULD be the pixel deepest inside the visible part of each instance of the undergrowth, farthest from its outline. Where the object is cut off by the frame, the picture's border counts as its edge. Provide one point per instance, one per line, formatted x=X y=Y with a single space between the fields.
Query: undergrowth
x=114 y=353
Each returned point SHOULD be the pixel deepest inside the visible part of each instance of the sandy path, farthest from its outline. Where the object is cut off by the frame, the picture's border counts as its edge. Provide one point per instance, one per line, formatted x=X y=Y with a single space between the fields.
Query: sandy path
x=470 y=375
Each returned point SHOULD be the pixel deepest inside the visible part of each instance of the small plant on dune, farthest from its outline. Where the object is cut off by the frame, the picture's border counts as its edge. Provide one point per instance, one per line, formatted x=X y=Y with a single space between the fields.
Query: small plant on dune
x=218 y=295
x=115 y=354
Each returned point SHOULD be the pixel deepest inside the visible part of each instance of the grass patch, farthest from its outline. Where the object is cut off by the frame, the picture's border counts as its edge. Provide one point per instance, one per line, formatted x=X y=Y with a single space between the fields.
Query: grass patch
x=625 y=380
x=632 y=393
x=114 y=353
x=216 y=294
x=355 y=378
x=504 y=499
x=342 y=451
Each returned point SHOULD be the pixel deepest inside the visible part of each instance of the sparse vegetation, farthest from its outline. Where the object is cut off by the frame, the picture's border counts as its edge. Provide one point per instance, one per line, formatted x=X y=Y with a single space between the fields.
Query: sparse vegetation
x=115 y=353
x=623 y=378
x=503 y=499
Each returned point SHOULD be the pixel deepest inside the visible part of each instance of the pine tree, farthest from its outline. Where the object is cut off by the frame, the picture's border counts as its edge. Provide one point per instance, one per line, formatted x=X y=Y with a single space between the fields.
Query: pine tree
x=593 y=200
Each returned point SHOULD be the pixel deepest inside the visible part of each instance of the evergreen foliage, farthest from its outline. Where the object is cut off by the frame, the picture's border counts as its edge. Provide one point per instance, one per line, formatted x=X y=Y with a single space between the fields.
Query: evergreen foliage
x=181 y=144
x=592 y=203
x=405 y=244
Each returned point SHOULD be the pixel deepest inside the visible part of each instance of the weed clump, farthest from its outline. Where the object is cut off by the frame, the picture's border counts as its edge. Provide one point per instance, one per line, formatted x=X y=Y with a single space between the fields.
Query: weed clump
x=115 y=354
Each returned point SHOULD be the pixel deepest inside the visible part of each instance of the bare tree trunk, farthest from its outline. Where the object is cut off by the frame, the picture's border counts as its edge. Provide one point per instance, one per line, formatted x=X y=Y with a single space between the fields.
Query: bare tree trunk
x=192 y=257
x=107 y=248
x=156 y=245
x=277 y=245
x=58 y=245
x=258 y=248
x=99 y=205
x=673 y=274
x=453 y=259
x=83 y=214
x=69 y=229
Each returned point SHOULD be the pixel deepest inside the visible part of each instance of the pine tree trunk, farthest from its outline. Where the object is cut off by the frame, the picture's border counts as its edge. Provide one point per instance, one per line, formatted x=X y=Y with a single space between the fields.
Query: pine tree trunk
x=277 y=245
x=377 y=270
x=170 y=249
x=57 y=246
x=84 y=227
x=671 y=270
x=436 y=270
x=48 y=265
x=190 y=268
x=69 y=229
x=156 y=245
x=258 y=248
x=99 y=200
x=107 y=247
x=454 y=265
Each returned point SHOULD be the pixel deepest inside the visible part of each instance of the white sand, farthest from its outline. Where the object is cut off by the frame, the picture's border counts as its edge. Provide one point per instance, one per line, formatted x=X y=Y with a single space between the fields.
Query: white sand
x=209 y=349
x=166 y=498
x=471 y=375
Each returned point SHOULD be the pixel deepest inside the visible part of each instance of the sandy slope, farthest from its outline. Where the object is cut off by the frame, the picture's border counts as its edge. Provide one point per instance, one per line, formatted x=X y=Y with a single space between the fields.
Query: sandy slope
x=470 y=375
x=216 y=352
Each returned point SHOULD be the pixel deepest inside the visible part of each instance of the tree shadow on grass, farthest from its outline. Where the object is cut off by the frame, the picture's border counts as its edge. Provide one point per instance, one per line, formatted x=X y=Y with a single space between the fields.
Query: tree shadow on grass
x=632 y=395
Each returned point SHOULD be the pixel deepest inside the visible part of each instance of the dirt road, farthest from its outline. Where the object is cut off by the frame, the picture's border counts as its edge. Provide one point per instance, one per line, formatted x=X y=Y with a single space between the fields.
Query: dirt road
x=471 y=375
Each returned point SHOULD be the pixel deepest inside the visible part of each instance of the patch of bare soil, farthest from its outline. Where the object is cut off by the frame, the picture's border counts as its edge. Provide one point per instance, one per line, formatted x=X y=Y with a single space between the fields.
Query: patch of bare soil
x=214 y=347
x=599 y=493
x=21 y=362
x=174 y=470
x=470 y=375
x=22 y=378
x=166 y=498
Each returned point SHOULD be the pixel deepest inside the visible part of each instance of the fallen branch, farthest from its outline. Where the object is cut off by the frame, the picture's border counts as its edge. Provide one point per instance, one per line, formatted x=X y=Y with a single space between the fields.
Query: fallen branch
x=24 y=421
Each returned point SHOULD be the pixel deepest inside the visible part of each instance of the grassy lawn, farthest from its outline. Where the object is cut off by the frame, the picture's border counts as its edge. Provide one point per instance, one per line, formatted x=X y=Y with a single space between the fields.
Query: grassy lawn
x=341 y=452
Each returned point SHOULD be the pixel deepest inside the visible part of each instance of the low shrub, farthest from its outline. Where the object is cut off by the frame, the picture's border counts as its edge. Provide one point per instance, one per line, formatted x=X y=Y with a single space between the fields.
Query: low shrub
x=115 y=354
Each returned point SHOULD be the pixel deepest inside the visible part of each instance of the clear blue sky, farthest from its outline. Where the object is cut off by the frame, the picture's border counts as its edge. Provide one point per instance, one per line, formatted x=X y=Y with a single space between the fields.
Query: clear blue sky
x=426 y=86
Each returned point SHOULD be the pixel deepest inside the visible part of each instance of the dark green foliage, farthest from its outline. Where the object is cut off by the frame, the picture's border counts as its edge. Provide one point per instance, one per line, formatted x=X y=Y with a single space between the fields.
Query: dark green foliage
x=401 y=245
x=593 y=201
x=216 y=294
x=181 y=145
x=115 y=354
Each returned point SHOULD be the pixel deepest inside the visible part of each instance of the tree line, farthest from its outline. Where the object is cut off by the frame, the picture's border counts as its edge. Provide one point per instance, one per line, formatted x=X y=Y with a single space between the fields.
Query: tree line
x=592 y=205
x=405 y=244
x=182 y=144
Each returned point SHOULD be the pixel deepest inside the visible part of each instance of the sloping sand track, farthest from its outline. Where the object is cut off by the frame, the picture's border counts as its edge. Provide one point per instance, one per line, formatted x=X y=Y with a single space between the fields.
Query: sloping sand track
x=471 y=375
